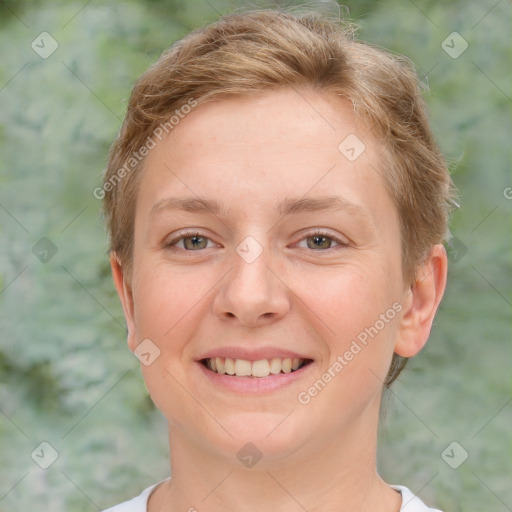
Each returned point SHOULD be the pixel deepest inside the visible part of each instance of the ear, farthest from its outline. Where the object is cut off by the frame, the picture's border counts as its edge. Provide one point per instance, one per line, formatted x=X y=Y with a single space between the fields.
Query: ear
x=125 y=293
x=421 y=303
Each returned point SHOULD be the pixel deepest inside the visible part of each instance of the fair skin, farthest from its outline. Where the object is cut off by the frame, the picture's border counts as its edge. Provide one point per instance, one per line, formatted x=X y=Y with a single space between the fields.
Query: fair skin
x=304 y=295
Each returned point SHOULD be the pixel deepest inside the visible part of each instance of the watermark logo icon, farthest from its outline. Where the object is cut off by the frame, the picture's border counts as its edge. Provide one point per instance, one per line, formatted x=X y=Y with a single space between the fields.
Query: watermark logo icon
x=351 y=147
x=249 y=455
x=455 y=249
x=454 y=455
x=44 y=250
x=44 y=45
x=454 y=45
x=44 y=455
x=146 y=352
x=249 y=249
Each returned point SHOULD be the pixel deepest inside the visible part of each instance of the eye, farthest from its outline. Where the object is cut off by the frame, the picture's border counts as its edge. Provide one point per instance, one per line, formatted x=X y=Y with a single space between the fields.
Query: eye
x=321 y=240
x=194 y=240
x=191 y=240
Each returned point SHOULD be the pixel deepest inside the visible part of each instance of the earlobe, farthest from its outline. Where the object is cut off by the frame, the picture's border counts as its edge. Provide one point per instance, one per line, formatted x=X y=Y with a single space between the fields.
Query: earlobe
x=125 y=293
x=422 y=301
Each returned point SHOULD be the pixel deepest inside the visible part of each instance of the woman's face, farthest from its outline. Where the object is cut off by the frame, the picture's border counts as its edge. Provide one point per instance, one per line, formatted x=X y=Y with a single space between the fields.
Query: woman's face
x=255 y=178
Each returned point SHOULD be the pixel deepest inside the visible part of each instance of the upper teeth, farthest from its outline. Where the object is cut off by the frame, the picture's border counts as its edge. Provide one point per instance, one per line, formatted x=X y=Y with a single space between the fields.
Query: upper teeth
x=261 y=368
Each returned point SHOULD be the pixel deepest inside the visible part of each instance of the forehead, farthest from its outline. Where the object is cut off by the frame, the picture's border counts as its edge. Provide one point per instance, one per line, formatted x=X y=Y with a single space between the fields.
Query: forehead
x=254 y=152
x=278 y=120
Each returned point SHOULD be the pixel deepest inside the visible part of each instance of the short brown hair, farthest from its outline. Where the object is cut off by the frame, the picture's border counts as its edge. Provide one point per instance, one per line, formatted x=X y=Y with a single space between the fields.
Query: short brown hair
x=247 y=53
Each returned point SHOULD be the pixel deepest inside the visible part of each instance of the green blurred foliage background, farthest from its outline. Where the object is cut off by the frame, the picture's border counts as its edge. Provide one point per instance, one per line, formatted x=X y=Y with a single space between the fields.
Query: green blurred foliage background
x=66 y=374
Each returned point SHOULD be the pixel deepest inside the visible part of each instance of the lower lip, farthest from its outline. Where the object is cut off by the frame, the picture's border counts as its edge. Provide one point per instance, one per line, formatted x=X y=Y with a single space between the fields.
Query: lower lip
x=254 y=384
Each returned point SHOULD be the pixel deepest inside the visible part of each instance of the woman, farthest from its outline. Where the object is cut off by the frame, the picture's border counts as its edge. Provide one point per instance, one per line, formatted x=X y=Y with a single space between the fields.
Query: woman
x=276 y=206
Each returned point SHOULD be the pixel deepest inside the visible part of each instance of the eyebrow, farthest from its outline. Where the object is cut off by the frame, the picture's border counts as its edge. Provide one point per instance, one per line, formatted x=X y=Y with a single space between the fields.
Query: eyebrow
x=288 y=206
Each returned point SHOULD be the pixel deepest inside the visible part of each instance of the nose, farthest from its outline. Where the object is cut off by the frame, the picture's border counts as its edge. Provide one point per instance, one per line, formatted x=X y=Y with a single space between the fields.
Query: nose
x=252 y=294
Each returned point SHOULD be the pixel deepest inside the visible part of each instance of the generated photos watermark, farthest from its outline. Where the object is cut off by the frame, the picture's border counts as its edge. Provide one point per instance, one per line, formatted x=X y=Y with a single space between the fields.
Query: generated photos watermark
x=151 y=142
x=343 y=360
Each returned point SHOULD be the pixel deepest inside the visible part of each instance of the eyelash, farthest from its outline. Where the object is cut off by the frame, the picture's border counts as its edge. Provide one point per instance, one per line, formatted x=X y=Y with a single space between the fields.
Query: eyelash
x=317 y=232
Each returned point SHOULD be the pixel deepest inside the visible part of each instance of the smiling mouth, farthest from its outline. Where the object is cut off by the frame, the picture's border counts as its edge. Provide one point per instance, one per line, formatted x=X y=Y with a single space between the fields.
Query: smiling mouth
x=261 y=368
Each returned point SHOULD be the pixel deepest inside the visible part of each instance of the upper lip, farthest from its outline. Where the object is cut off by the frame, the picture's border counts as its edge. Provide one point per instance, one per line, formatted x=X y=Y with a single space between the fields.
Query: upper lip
x=252 y=354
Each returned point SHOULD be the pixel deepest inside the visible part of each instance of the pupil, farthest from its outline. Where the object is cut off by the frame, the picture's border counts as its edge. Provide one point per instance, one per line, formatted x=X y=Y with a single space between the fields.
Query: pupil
x=318 y=240
x=193 y=241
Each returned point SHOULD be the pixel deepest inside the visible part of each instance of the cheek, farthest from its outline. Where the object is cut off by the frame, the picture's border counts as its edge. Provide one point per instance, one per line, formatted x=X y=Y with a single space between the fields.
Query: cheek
x=163 y=299
x=356 y=310
x=349 y=299
x=166 y=304
x=359 y=311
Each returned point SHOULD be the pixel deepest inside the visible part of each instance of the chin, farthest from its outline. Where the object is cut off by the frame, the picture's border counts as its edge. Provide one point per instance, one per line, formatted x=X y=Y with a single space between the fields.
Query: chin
x=258 y=435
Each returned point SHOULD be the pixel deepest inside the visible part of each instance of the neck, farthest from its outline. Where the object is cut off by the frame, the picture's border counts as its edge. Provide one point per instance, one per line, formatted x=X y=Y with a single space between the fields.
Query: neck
x=338 y=474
